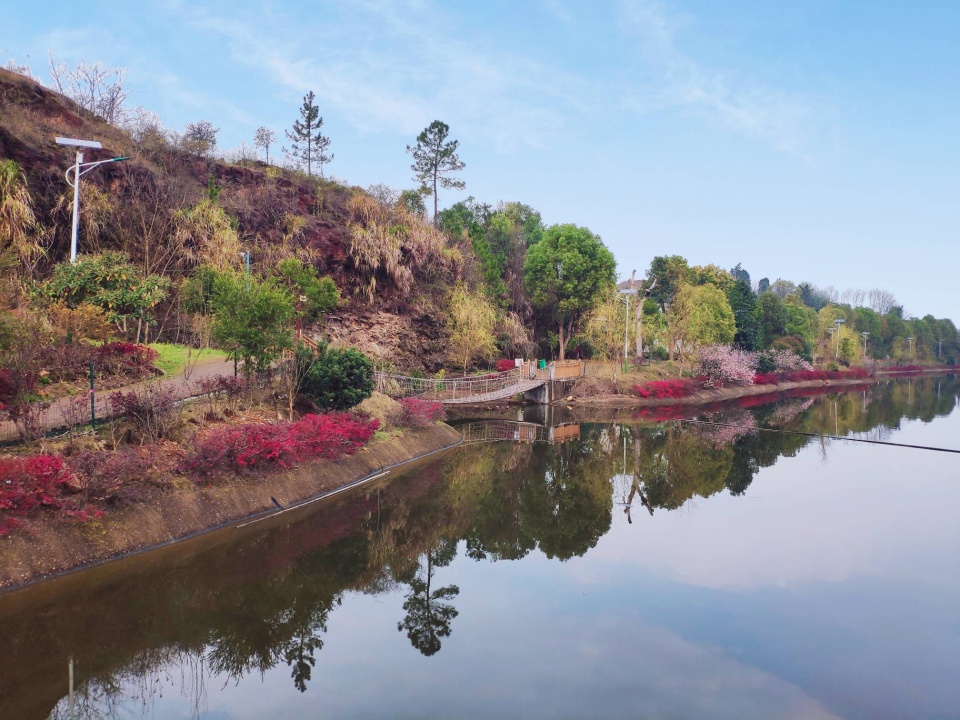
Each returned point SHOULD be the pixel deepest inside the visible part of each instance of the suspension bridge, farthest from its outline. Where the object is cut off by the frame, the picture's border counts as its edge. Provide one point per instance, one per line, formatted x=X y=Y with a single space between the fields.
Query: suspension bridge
x=538 y=384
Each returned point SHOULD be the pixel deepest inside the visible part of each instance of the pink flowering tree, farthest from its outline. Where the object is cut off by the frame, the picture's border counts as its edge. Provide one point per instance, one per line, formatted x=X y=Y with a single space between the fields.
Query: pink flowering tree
x=722 y=365
x=788 y=361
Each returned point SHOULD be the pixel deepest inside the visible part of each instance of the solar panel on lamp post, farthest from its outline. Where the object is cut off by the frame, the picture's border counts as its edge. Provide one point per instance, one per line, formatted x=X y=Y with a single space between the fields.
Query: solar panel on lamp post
x=75 y=184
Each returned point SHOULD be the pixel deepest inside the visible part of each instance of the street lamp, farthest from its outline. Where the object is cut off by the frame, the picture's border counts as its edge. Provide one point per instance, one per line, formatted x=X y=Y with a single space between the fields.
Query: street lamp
x=939 y=346
x=865 y=336
x=837 y=322
x=75 y=183
x=626 y=293
x=913 y=353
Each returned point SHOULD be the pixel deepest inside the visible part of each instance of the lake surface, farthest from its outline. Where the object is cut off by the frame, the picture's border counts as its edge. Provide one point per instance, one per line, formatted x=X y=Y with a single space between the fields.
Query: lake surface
x=630 y=569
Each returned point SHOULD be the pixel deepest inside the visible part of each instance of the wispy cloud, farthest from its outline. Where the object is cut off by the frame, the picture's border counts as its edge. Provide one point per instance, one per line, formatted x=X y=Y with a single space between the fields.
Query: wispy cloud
x=676 y=79
x=397 y=66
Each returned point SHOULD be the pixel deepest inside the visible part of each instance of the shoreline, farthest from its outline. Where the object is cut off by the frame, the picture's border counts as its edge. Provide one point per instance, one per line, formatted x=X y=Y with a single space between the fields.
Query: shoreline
x=55 y=549
x=709 y=396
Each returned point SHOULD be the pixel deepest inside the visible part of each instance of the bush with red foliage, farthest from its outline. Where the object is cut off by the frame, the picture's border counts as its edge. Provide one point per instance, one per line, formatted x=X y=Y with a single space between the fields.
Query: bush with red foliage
x=505 y=365
x=417 y=413
x=126 y=358
x=256 y=446
x=31 y=484
x=766 y=379
x=674 y=389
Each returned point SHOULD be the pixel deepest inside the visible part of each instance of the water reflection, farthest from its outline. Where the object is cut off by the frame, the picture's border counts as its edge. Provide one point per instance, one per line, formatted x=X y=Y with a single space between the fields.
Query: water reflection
x=263 y=601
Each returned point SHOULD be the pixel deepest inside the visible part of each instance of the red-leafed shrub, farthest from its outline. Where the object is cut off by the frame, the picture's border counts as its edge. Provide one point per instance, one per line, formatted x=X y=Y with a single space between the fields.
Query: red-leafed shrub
x=332 y=435
x=126 y=358
x=418 y=413
x=765 y=379
x=31 y=484
x=152 y=409
x=111 y=478
x=247 y=447
x=667 y=388
x=505 y=365
x=905 y=369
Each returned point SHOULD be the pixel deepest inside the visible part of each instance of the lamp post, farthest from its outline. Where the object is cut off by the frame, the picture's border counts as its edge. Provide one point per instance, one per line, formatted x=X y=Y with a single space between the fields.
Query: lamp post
x=913 y=352
x=81 y=168
x=939 y=346
x=626 y=293
x=865 y=336
x=837 y=323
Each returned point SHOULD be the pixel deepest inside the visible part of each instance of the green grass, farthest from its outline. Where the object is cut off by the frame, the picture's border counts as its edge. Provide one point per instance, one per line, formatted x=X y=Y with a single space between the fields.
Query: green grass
x=171 y=358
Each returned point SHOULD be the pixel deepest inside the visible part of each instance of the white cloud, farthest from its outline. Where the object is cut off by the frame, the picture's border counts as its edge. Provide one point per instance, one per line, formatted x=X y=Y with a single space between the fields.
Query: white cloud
x=676 y=79
x=398 y=67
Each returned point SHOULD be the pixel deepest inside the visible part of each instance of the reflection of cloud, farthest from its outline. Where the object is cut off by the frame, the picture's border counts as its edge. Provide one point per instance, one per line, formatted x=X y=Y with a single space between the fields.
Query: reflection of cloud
x=802 y=521
x=678 y=80
x=606 y=661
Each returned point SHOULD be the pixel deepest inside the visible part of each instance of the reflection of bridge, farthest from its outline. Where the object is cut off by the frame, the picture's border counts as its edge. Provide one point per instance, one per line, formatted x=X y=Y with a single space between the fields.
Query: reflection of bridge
x=468 y=390
x=523 y=432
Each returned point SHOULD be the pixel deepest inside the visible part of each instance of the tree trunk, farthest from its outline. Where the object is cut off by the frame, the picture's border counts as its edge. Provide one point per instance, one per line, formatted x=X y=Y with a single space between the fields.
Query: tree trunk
x=435 y=218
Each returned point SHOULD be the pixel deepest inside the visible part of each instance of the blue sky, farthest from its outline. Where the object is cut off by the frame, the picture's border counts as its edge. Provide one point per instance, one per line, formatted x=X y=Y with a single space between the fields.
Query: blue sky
x=812 y=140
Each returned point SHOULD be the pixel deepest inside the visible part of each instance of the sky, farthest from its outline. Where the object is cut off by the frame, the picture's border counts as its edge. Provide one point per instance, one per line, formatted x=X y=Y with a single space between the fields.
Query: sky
x=809 y=140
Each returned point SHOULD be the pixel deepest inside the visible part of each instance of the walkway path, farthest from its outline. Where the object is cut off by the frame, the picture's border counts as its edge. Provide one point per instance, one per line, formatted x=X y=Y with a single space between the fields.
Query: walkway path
x=58 y=415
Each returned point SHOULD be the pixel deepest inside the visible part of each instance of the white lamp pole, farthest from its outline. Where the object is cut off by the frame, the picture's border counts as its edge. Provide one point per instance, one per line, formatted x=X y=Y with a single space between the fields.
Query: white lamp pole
x=837 y=323
x=75 y=183
x=626 y=293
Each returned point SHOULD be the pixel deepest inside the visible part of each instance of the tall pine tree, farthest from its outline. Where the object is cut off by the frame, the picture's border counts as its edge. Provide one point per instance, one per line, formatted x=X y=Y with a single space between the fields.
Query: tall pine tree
x=434 y=158
x=307 y=144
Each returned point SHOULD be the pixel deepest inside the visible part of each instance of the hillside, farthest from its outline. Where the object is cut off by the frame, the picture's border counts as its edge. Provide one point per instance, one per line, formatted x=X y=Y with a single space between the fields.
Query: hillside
x=393 y=284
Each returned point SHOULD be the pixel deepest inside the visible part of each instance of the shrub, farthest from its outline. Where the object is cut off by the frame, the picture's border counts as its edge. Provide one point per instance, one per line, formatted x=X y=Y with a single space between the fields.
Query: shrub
x=29 y=485
x=767 y=378
x=151 y=409
x=418 y=413
x=110 y=478
x=505 y=365
x=27 y=417
x=339 y=379
x=126 y=358
x=227 y=387
x=254 y=446
x=722 y=365
x=667 y=388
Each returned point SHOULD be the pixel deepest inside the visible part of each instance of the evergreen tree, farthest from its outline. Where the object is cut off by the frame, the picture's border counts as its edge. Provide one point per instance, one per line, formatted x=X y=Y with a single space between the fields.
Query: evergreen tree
x=744 y=305
x=434 y=158
x=740 y=274
x=307 y=143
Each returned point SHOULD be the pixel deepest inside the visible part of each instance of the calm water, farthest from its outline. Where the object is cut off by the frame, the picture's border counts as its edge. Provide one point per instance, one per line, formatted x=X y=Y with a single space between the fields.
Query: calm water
x=636 y=569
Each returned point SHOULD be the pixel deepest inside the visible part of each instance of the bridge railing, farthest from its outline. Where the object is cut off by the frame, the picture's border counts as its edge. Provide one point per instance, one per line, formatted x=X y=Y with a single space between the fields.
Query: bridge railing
x=453 y=389
x=439 y=389
x=521 y=432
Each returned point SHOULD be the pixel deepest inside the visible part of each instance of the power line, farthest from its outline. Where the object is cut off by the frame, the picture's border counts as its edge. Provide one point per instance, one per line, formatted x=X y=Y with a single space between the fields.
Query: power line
x=824 y=437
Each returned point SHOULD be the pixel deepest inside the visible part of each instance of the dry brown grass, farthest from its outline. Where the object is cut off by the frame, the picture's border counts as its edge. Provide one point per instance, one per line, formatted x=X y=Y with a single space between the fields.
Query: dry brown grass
x=381 y=407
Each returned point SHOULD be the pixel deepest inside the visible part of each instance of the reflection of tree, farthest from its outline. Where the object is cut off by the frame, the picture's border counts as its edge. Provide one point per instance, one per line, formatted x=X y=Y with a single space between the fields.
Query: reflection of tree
x=566 y=498
x=428 y=617
x=264 y=600
x=498 y=531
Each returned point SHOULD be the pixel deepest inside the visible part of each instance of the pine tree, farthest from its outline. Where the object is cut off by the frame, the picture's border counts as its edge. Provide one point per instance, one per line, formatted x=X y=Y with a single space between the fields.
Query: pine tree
x=307 y=143
x=434 y=158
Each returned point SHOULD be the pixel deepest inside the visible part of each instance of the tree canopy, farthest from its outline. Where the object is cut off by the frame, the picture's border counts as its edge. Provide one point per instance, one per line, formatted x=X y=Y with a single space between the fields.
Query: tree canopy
x=565 y=273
